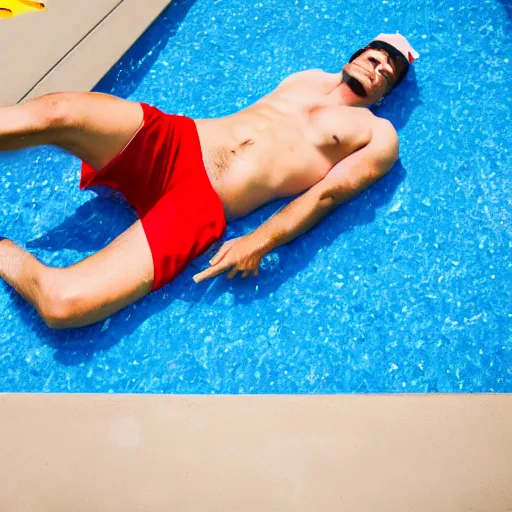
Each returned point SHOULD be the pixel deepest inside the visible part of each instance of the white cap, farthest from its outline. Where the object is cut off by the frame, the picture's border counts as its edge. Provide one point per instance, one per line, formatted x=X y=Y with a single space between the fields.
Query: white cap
x=401 y=44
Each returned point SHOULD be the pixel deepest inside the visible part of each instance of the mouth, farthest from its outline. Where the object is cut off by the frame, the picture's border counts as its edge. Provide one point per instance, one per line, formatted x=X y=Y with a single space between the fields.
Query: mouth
x=364 y=71
x=355 y=85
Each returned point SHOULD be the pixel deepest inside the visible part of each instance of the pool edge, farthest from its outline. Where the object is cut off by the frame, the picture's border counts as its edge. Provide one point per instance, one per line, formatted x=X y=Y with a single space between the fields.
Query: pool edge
x=256 y=452
x=70 y=64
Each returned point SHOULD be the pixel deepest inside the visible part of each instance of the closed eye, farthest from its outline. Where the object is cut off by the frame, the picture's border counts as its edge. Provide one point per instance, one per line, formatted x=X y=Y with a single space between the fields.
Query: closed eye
x=385 y=75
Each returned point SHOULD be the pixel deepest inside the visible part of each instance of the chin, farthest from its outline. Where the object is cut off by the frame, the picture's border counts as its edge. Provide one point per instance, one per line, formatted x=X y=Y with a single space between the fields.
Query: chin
x=358 y=83
x=355 y=82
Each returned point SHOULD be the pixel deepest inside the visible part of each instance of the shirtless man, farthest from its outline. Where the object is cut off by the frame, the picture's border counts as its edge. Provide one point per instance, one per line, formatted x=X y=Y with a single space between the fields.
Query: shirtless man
x=185 y=178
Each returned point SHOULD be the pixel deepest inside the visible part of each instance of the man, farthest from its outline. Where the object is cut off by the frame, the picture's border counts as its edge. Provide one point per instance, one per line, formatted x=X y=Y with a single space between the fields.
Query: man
x=185 y=178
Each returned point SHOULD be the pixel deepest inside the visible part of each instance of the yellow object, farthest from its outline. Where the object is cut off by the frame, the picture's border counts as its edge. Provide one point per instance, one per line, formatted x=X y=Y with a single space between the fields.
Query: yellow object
x=11 y=8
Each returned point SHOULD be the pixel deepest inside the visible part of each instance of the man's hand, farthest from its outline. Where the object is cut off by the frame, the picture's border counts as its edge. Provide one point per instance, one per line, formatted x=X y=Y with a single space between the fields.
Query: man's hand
x=237 y=255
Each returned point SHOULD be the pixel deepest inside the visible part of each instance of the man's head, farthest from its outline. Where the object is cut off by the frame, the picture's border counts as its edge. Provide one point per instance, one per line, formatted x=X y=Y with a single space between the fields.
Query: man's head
x=373 y=71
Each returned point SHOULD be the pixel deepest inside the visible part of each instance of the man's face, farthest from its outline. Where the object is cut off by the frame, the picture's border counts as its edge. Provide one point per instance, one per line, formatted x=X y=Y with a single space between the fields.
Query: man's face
x=372 y=74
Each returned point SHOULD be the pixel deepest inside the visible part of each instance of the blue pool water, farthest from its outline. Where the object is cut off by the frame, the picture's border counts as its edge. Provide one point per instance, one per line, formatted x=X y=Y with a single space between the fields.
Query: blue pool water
x=405 y=289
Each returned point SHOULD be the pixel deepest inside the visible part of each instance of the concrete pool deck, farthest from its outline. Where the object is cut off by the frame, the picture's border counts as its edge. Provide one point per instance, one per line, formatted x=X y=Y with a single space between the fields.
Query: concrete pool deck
x=70 y=46
x=161 y=453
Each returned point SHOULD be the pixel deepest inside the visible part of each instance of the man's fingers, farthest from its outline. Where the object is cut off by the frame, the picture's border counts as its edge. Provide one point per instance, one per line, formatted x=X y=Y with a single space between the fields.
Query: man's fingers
x=201 y=276
x=216 y=270
x=232 y=273
x=222 y=251
x=213 y=271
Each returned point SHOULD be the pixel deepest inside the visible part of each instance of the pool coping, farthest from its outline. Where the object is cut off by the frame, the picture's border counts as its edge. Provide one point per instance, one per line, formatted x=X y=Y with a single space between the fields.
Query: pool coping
x=67 y=49
x=256 y=452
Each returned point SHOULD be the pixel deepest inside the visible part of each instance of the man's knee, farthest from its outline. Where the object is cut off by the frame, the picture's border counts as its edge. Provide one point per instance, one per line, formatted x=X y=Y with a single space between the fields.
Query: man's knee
x=53 y=112
x=59 y=305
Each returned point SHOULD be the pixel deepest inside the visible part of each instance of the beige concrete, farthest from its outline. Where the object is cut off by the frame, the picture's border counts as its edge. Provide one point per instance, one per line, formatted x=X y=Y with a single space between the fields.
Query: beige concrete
x=70 y=46
x=417 y=453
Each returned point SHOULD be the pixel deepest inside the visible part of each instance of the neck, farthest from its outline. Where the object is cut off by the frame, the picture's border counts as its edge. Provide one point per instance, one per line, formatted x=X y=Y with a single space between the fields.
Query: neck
x=346 y=96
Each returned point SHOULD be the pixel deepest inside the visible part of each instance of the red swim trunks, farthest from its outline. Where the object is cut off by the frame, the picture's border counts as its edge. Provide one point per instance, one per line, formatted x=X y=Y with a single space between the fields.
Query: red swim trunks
x=162 y=175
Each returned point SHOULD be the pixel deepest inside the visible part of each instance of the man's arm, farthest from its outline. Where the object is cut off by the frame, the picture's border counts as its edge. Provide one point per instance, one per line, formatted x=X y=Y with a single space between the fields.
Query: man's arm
x=345 y=180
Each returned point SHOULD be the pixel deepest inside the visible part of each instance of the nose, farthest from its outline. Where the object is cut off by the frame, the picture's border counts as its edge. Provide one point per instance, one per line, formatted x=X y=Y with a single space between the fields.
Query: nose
x=381 y=67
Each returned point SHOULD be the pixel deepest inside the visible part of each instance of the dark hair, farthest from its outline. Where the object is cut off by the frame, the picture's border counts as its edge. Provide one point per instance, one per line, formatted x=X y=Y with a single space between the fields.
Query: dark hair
x=392 y=52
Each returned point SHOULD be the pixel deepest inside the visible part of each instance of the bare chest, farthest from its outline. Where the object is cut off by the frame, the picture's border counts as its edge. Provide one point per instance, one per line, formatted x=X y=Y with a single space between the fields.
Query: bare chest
x=266 y=152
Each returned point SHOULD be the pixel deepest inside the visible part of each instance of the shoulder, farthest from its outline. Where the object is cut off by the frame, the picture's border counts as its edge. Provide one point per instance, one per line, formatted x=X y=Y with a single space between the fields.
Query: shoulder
x=383 y=132
x=312 y=77
x=308 y=74
x=384 y=143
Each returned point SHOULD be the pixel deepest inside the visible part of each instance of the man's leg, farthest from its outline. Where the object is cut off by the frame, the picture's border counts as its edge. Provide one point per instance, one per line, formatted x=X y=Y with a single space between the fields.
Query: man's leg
x=94 y=127
x=88 y=291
